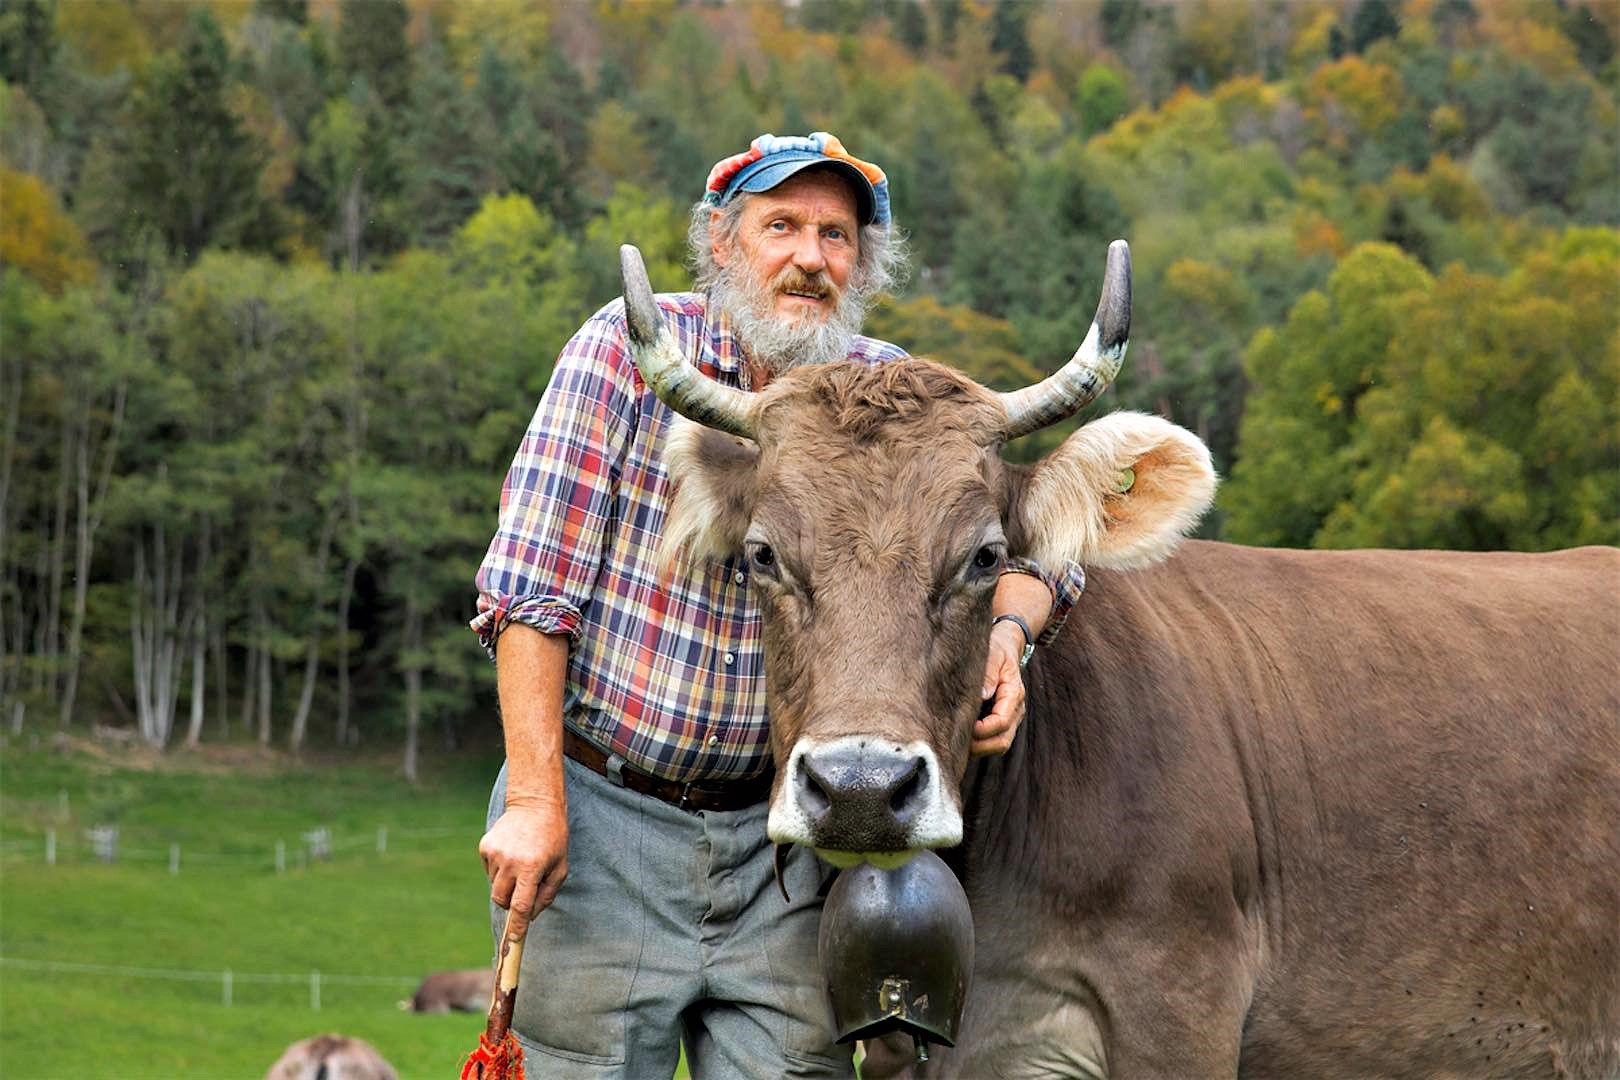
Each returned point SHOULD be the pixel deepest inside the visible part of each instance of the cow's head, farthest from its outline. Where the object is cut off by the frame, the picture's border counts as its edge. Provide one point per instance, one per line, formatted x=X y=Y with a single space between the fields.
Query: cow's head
x=875 y=511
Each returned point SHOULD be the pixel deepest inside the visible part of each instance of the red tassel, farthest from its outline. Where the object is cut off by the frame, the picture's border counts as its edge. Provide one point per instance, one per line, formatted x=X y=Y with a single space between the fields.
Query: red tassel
x=500 y=1061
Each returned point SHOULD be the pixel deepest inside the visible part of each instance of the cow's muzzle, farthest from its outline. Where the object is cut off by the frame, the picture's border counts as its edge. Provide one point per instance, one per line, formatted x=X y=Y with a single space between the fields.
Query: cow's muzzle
x=855 y=799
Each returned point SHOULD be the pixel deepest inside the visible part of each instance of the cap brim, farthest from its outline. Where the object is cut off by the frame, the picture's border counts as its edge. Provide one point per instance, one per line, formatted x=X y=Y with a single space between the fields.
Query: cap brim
x=770 y=172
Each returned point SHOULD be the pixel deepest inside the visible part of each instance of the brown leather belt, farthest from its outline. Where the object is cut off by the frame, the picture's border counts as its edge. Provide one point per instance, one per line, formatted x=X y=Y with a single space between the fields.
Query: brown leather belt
x=693 y=796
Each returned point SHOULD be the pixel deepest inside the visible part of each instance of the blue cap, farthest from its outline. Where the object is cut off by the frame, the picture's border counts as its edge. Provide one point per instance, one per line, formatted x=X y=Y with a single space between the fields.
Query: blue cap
x=772 y=159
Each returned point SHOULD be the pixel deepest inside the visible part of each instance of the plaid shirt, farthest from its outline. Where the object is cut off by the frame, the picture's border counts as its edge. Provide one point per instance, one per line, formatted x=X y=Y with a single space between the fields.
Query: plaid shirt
x=664 y=671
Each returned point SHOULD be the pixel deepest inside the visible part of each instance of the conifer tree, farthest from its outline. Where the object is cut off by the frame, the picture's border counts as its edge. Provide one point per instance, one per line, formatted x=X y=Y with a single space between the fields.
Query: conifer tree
x=371 y=40
x=191 y=171
x=27 y=42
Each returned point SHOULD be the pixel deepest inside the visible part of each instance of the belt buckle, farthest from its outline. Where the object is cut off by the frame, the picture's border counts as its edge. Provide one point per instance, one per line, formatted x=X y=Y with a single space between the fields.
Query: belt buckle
x=686 y=796
x=614 y=767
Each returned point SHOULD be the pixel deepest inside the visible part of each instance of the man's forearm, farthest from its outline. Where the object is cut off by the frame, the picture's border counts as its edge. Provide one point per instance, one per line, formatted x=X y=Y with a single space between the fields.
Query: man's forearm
x=1026 y=596
x=530 y=669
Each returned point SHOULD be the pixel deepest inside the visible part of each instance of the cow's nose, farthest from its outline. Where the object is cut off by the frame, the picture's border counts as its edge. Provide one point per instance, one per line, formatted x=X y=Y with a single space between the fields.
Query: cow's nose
x=862 y=797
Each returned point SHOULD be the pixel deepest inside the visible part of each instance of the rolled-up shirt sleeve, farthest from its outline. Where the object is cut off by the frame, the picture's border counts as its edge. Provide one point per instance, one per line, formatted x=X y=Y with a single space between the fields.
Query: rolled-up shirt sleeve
x=1067 y=583
x=557 y=504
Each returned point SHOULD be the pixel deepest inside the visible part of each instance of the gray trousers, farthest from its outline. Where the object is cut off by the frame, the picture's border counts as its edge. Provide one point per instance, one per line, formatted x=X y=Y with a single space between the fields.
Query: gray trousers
x=670 y=928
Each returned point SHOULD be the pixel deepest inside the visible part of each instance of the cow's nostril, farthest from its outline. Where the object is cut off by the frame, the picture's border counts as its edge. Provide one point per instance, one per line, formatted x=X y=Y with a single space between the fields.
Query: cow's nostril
x=813 y=793
x=907 y=790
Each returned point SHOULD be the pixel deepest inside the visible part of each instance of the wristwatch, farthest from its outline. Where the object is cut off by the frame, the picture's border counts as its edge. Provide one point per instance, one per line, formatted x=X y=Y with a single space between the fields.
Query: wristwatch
x=1029 y=638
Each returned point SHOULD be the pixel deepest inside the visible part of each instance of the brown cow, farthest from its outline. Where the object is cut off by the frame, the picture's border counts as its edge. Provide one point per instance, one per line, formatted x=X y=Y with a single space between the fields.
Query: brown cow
x=469 y=990
x=331 y=1057
x=1270 y=813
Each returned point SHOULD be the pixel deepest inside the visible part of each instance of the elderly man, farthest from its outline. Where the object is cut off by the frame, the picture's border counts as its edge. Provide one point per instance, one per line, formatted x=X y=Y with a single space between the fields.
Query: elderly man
x=632 y=689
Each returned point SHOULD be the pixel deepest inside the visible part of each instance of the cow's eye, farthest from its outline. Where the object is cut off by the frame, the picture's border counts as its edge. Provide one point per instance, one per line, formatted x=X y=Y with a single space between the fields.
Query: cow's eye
x=985 y=560
x=763 y=558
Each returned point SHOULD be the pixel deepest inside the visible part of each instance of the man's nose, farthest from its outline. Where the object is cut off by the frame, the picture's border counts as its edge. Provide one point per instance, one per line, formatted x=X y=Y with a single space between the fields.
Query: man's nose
x=807 y=253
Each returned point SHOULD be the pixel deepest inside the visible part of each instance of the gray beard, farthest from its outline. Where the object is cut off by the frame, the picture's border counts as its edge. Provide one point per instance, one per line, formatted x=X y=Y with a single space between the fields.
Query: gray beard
x=780 y=344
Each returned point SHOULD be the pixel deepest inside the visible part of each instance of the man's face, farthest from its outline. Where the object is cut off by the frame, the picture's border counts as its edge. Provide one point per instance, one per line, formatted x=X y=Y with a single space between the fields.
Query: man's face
x=797 y=244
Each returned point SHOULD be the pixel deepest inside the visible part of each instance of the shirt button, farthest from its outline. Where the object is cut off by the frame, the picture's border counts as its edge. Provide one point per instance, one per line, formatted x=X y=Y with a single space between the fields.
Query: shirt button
x=714 y=740
x=731 y=658
x=739 y=577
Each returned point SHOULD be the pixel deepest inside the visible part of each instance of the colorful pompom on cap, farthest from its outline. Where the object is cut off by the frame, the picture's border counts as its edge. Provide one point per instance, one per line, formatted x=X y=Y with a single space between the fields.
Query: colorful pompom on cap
x=771 y=159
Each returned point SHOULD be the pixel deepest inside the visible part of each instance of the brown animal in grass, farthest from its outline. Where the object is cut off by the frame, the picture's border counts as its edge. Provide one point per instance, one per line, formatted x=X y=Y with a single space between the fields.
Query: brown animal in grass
x=453 y=991
x=331 y=1057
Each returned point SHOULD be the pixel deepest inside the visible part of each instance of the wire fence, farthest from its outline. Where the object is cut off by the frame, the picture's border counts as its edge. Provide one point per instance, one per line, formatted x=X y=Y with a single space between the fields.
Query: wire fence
x=225 y=978
x=103 y=843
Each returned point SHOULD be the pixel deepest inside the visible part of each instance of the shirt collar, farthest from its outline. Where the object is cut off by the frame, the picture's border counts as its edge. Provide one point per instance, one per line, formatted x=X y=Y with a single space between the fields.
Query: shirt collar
x=723 y=344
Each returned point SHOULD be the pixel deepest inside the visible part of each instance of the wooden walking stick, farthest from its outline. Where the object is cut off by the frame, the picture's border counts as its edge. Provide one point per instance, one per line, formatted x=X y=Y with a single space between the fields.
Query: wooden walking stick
x=499 y=1056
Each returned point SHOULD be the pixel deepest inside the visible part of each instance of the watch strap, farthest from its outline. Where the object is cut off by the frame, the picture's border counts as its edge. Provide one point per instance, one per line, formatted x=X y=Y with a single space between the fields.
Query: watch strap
x=1029 y=638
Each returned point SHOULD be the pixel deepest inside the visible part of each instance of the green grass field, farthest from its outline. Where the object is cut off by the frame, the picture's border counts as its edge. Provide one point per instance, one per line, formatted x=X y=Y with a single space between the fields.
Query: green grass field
x=420 y=907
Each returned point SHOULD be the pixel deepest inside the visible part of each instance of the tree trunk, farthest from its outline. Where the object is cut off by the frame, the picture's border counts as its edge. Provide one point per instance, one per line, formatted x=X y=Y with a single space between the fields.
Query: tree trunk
x=160 y=640
x=250 y=674
x=42 y=572
x=50 y=654
x=353 y=201
x=203 y=629
x=90 y=511
x=222 y=681
x=262 y=623
x=8 y=451
x=355 y=420
x=312 y=653
x=156 y=633
x=176 y=630
x=413 y=686
x=199 y=655
x=349 y=573
x=12 y=637
x=9 y=640
x=140 y=643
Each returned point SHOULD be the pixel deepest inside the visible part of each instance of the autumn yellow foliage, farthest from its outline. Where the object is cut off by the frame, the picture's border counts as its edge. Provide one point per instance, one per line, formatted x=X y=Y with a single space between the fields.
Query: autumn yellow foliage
x=37 y=238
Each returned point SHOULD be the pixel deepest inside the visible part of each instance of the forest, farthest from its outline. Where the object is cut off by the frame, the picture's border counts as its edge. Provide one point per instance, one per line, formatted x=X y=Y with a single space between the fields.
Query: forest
x=281 y=282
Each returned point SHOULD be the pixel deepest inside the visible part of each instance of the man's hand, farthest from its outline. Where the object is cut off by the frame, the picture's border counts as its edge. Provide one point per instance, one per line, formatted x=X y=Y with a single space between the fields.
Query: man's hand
x=526 y=859
x=1003 y=682
x=1030 y=598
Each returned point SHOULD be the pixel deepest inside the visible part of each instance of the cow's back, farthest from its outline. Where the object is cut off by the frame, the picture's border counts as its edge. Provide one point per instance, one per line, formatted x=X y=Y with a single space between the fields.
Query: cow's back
x=1388 y=781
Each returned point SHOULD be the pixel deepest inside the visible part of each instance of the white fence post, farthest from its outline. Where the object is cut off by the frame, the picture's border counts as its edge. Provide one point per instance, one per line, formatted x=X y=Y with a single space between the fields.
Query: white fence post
x=227 y=988
x=382 y=839
x=62 y=803
x=50 y=847
x=105 y=840
x=174 y=858
x=281 y=856
x=315 y=990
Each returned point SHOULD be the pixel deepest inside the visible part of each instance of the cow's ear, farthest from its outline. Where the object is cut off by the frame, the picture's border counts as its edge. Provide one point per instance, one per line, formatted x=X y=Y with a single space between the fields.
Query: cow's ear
x=714 y=480
x=1120 y=493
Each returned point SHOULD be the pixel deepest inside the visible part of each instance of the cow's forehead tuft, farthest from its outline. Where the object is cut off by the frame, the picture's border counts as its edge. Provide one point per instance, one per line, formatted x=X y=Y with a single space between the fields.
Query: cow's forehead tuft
x=872 y=403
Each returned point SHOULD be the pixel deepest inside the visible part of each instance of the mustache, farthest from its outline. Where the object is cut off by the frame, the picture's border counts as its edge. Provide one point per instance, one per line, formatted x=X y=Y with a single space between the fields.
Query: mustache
x=819 y=284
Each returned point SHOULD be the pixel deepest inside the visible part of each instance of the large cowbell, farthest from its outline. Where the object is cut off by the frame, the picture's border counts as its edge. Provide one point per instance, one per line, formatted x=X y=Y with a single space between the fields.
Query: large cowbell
x=897 y=951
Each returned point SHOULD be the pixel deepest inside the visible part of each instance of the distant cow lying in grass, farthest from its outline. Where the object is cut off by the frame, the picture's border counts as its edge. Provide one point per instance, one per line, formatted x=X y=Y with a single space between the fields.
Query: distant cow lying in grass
x=331 y=1057
x=453 y=991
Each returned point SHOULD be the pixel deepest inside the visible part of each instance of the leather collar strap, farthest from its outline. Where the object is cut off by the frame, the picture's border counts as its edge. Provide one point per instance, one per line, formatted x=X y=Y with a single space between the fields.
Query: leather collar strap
x=692 y=797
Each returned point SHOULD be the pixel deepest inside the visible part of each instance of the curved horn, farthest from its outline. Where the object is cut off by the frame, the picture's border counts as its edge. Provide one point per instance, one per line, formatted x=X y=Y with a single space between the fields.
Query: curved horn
x=677 y=383
x=1094 y=364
